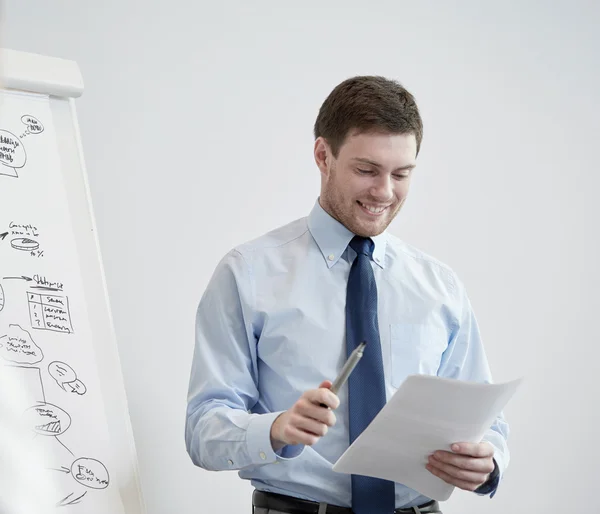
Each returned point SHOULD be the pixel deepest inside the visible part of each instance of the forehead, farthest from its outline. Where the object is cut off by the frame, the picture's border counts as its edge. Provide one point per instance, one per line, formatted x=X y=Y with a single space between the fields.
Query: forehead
x=380 y=145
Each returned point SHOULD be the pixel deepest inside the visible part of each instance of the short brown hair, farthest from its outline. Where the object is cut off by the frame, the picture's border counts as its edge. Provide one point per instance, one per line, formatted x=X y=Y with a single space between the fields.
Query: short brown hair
x=367 y=103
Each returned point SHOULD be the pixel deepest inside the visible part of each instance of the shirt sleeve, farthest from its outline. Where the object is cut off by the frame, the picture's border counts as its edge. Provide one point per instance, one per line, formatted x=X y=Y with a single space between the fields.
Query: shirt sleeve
x=220 y=431
x=465 y=359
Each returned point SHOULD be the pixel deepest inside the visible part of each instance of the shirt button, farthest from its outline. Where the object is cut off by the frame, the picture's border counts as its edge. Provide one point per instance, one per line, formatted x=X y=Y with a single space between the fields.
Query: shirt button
x=230 y=462
x=263 y=455
x=331 y=256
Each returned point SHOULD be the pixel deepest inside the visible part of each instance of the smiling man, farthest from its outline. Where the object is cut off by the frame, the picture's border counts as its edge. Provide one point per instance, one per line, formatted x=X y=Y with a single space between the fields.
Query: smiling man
x=282 y=313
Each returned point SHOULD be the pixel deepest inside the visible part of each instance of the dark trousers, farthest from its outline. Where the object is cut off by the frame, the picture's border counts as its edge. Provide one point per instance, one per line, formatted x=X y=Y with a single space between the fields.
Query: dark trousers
x=260 y=510
x=270 y=503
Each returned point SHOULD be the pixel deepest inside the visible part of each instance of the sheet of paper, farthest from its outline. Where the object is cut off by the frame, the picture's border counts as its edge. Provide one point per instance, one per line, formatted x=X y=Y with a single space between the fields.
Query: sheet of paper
x=427 y=413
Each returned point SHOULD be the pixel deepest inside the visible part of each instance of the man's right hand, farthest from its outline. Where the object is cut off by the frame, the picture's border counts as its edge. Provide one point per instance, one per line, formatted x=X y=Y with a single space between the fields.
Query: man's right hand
x=307 y=420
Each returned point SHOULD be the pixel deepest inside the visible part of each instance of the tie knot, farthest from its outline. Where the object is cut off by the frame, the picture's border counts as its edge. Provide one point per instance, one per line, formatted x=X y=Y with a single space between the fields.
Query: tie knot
x=362 y=245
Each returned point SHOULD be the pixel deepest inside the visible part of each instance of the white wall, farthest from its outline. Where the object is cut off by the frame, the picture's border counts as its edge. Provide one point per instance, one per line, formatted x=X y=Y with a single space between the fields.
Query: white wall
x=196 y=124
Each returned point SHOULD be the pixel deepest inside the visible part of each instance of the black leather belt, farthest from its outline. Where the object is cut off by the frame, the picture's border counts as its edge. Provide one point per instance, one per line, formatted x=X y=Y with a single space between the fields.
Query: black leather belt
x=292 y=505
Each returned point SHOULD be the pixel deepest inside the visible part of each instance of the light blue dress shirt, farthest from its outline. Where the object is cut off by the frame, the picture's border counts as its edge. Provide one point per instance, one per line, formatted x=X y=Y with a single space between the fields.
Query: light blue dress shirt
x=271 y=325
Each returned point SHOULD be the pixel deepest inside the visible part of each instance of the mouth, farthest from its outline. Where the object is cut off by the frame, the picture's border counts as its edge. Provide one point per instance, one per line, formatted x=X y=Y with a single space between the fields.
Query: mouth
x=372 y=210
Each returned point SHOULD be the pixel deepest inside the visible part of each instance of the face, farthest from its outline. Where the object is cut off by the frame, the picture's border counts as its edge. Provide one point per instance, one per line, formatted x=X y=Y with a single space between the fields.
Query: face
x=366 y=185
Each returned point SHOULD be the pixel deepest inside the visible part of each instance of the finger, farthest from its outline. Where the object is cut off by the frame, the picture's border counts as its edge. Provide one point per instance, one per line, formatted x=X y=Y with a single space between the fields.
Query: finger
x=322 y=396
x=483 y=449
x=466 y=475
x=326 y=384
x=462 y=484
x=309 y=425
x=317 y=413
x=483 y=465
x=293 y=435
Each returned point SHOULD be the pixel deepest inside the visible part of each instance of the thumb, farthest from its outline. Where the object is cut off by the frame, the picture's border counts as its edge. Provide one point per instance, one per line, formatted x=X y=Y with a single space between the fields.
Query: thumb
x=326 y=384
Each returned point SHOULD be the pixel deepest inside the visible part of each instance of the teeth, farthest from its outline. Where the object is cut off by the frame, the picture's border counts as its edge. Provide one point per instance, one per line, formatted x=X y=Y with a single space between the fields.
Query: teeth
x=374 y=210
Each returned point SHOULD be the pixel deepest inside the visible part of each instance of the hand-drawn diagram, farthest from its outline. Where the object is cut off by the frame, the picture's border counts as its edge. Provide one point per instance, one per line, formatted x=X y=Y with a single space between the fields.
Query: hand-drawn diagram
x=18 y=346
x=52 y=421
x=90 y=472
x=12 y=151
x=34 y=126
x=24 y=243
x=12 y=154
x=29 y=379
x=66 y=378
x=47 y=421
x=49 y=312
x=24 y=238
x=41 y=282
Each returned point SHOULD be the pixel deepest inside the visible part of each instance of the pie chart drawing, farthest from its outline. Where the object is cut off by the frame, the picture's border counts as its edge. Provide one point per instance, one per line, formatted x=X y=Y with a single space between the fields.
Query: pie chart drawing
x=25 y=244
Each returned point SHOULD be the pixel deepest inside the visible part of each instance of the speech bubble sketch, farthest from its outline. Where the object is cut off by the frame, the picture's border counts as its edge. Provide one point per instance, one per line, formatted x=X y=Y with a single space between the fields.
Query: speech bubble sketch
x=47 y=419
x=18 y=346
x=90 y=473
x=66 y=378
x=77 y=387
x=34 y=126
x=2 y=298
x=12 y=154
x=62 y=373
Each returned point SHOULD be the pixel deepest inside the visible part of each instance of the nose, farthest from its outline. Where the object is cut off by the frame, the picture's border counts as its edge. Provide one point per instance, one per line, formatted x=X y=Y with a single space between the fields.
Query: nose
x=383 y=188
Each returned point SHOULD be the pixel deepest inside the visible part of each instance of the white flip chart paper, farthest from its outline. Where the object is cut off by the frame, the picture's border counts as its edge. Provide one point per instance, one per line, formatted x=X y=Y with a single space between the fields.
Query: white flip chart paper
x=51 y=405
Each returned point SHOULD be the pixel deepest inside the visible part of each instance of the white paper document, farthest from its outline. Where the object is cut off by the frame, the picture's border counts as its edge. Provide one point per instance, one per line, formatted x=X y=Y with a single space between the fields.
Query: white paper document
x=426 y=414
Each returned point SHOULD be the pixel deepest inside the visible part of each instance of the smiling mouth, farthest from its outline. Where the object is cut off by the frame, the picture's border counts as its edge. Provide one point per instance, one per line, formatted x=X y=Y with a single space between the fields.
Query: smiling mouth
x=371 y=210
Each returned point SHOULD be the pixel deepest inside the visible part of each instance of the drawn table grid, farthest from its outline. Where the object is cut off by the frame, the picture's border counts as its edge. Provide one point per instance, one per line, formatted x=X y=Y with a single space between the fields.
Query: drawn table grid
x=49 y=312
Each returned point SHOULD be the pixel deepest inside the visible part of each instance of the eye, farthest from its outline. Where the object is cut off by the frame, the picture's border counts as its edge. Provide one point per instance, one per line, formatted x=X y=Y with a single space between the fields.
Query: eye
x=364 y=172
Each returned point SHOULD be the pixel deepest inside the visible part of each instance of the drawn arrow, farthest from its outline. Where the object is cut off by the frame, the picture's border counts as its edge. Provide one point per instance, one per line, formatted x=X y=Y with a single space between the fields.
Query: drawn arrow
x=62 y=469
x=22 y=277
x=65 y=501
x=2 y=236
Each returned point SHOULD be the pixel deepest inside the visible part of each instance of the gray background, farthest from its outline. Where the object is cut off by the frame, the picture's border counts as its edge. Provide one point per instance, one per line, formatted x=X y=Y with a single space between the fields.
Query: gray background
x=196 y=123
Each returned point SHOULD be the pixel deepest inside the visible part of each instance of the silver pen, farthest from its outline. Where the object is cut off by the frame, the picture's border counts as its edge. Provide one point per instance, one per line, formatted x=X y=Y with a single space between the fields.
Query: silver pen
x=348 y=367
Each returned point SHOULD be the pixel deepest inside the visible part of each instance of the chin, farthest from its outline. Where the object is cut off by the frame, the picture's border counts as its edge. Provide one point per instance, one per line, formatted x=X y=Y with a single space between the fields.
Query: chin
x=369 y=231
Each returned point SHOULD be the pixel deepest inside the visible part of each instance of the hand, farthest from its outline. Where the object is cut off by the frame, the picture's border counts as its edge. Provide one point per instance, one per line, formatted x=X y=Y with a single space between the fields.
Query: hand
x=306 y=421
x=467 y=466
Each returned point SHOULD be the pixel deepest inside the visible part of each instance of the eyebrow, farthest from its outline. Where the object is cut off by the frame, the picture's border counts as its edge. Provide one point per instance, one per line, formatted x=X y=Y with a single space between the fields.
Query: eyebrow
x=377 y=165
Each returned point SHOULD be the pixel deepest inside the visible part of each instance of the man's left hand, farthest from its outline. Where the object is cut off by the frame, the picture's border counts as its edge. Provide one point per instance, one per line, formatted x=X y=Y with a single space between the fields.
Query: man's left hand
x=467 y=466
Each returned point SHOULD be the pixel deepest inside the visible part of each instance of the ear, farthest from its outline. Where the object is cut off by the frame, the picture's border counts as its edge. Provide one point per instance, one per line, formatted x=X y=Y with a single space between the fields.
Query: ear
x=323 y=156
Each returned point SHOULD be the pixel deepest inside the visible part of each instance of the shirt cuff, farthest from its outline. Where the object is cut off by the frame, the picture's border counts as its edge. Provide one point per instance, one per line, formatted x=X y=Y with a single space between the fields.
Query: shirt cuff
x=491 y=484
x=258 y=441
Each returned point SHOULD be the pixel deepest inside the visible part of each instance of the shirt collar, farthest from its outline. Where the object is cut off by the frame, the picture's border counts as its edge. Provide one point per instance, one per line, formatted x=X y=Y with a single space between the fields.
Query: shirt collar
x=333 y=238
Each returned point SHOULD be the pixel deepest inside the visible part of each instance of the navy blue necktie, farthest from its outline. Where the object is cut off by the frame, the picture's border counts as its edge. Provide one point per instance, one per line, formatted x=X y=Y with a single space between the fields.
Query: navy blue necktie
x=366 y=386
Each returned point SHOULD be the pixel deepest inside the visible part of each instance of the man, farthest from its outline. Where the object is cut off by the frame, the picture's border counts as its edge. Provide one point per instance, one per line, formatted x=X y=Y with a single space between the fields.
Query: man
x=281 y=314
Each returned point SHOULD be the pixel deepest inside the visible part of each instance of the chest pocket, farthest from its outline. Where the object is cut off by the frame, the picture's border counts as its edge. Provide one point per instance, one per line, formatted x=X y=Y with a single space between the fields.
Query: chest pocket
x=416 y=349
